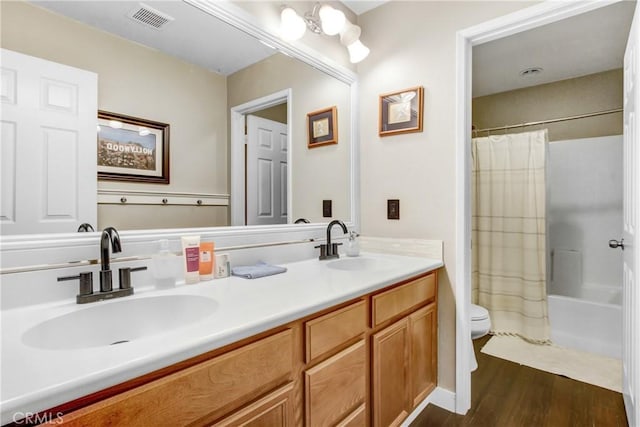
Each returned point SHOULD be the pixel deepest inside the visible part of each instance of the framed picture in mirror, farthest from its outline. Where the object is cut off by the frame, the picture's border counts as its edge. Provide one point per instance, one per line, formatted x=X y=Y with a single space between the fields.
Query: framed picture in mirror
x=132 y=149
x=322 y=127
x=401 y=111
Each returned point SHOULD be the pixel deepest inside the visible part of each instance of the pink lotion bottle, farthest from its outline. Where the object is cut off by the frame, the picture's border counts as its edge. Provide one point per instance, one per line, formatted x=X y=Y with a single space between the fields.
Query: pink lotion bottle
x=191 y=254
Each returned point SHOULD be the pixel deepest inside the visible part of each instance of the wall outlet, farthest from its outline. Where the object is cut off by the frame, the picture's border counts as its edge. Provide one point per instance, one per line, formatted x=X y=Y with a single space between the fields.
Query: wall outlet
x=326 y=209
x=393 y=209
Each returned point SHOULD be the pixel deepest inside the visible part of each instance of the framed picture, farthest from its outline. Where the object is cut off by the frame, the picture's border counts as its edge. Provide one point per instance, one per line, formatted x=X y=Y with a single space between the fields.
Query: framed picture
x=322 y=127
x=132 y=149
x=401 y=112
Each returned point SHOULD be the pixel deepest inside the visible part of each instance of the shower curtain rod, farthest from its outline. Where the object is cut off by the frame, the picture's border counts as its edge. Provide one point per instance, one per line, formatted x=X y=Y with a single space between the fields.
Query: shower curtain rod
x=543 y=122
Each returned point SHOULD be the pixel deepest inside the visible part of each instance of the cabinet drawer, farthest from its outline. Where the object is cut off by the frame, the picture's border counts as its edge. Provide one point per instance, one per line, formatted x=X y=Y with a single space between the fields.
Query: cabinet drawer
x=328 y=332
x=273 y=410
x=201 y=393
x=390 y=304
x=336 y=387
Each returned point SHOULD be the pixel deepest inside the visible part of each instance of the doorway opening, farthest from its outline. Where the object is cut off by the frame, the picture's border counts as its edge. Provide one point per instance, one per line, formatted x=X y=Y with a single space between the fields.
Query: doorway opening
x=499 y=30
x=260 y=190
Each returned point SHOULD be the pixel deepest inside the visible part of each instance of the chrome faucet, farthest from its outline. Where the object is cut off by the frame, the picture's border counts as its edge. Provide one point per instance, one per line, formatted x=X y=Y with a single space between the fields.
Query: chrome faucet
x=330 y=250
x=109 y=235
x=85 y=227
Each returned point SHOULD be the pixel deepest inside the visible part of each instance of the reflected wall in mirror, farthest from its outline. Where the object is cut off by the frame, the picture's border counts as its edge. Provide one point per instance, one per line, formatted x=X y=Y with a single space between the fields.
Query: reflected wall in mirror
x=171 y=75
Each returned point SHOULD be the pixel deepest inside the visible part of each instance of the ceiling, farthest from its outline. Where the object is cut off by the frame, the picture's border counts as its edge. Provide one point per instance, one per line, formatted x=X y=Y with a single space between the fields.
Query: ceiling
x=581 y=45
x=193 y=36
x=585 y=44
x=361 y=6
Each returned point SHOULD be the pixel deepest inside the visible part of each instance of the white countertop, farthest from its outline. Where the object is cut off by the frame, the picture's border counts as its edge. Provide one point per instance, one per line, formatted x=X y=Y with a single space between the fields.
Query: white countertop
x=34 y=379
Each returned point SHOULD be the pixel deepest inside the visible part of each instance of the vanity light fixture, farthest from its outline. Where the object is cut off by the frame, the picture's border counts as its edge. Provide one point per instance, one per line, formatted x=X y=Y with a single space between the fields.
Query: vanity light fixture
x=323 y=19
x=292 y=26
x=143 y=131
x=115 y=124
x=332 y=20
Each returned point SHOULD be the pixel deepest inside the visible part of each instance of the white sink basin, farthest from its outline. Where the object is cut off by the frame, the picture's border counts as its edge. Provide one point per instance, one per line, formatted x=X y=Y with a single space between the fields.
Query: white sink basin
x=358 y=264
x=118 y=322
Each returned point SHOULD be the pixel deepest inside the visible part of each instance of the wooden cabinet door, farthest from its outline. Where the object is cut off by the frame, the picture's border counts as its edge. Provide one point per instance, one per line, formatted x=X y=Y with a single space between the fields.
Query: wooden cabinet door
x=273 y=410
x=423 y=352
x=336 y=387
x=199 y=394
x=390 y=382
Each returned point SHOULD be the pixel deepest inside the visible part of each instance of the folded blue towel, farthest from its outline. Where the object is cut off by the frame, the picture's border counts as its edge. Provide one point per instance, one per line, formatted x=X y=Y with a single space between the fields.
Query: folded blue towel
x=261 y=269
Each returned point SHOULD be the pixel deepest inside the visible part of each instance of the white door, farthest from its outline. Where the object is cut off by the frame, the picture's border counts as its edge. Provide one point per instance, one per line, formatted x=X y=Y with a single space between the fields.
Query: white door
x=266 y=172
x=48 y=146
x=631 y=219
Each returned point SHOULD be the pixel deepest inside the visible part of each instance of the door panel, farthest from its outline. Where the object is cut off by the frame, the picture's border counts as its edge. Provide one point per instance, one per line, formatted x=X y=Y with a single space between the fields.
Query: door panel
x=49 y=173
x=631 y=213
x=266 y=172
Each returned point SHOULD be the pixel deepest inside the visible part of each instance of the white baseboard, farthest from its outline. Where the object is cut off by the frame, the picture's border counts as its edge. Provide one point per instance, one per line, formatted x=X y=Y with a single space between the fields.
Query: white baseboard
x=440 y=397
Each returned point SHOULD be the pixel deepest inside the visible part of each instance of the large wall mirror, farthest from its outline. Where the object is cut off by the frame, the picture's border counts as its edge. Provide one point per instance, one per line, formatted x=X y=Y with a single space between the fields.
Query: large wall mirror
x=190 y=73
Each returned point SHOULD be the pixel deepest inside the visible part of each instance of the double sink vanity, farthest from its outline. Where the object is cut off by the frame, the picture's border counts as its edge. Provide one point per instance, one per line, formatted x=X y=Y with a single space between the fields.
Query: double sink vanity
x=350 y=341
x=347 y=341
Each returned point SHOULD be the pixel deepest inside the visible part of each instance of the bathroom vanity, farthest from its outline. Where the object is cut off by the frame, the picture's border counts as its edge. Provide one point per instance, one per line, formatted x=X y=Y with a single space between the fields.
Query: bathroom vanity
x=348 y=343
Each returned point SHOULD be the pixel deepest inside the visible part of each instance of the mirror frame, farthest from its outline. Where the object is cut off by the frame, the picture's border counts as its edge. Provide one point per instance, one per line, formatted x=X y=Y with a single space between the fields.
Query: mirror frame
x=25 y=251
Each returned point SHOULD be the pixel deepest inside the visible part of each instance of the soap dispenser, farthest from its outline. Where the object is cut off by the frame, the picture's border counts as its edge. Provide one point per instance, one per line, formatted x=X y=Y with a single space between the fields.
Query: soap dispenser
x=353 y=245
x=165 y=266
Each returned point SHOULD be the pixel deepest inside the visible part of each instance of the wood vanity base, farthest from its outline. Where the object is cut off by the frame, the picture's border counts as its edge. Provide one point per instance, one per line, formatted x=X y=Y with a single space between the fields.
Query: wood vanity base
x=369 y=361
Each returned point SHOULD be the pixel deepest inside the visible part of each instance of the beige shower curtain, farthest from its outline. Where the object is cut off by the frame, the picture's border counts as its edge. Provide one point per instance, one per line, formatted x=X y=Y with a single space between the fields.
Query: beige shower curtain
x=509 y=232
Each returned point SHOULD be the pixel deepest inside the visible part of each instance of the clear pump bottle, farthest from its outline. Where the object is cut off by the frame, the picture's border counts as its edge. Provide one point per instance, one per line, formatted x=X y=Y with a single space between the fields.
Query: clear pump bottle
x=353 y=244
x=165 y=266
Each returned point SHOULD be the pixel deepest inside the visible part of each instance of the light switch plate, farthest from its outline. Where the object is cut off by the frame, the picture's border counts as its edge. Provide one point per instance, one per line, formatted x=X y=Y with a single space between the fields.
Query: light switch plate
x=393 y=209
x=326 y=209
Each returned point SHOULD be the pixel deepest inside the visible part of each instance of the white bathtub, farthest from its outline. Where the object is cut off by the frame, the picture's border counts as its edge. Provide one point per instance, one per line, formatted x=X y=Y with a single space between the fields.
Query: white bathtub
x=593 y=325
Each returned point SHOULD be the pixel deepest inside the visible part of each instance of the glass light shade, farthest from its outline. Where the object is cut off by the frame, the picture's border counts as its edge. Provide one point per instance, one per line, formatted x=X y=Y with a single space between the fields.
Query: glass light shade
x=349 y=34
x=332 y=20
x=357 y=51
x=292 y=26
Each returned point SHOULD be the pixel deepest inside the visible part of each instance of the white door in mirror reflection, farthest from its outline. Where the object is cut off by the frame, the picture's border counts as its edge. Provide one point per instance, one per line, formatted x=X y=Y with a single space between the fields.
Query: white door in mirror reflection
x=266 y=173
x=48 y=146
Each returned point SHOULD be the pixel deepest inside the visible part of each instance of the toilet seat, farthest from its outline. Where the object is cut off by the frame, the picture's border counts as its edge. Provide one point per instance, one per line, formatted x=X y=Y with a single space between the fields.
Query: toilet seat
x=478 y=313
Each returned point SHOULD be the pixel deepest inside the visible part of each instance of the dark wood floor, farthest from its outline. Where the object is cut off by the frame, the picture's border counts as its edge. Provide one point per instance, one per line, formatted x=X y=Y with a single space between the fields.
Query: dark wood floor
x=507 y=394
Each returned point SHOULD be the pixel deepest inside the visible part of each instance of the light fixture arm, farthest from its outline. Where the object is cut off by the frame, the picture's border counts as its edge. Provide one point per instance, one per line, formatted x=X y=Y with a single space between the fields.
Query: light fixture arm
x=312 y=19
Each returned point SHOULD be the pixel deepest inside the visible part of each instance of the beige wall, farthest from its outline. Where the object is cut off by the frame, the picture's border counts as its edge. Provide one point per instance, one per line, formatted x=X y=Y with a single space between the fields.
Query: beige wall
x=151 y=217
x=277 y=113
x=319 y=173
x=587 y=94
x=413 y=43
x=141 y=82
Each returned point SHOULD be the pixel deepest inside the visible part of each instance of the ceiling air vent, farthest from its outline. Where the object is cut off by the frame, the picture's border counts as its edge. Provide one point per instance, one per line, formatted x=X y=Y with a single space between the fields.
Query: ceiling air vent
x=150 y=17
x=531 y=72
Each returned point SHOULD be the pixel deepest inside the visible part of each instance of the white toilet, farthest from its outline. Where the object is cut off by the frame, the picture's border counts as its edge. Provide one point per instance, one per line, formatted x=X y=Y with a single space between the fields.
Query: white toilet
x=480 y=321
x=480 y=326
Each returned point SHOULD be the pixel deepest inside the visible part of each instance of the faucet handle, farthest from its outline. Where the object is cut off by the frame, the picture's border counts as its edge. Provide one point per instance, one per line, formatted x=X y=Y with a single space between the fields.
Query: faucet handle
x=125 y=276
x=323 y=250
x=334 y=249
x=86 y=282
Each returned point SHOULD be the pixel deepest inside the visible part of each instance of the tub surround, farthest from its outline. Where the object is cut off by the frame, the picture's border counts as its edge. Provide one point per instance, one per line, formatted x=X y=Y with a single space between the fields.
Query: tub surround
x=245 y=308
